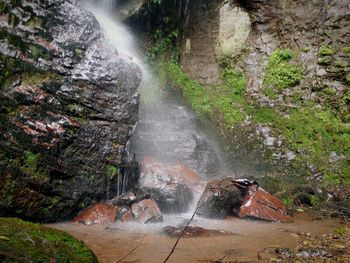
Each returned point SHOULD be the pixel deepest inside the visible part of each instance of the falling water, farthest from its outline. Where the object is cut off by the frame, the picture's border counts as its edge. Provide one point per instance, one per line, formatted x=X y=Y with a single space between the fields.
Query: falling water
x=168 y=130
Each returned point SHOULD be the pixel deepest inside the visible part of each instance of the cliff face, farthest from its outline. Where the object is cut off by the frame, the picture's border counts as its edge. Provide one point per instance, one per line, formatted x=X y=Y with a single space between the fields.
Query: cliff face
x=68 y=105
x=295 y=109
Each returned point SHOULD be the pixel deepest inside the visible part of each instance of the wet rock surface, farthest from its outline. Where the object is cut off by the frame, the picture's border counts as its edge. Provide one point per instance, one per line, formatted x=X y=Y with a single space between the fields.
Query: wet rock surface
x=169 y=131
x=68 y=107
x=261 y=205
x=243 y=198
x=171 y=186
x=147 y=211
x=97 y=214
x=221 y=197
x=192 y=231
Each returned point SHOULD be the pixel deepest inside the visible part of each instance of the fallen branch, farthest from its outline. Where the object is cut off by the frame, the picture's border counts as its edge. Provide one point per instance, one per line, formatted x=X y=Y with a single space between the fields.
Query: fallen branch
x=138 y=244
x=183 y=230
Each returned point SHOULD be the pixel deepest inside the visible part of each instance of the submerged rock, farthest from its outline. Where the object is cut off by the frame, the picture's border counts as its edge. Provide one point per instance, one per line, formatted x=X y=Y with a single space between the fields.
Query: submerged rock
x=192 y=231
x=21 y=241
x=147 y=211
x=169 y=185
x=97 y=214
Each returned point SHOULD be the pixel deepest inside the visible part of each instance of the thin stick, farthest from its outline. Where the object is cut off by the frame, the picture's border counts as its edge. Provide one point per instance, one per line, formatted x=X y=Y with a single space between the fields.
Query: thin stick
x=138 y=244
x=183 y=230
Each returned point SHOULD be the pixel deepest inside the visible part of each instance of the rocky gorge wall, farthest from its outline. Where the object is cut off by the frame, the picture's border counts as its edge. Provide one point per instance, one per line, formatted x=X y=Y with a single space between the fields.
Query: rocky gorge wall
x=293 y=113
x=68 y=106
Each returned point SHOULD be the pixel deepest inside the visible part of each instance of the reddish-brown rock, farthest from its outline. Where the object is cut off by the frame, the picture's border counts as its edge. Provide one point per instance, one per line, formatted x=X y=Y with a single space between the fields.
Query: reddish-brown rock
x=172 y=186
x=97 y=214
x=261 y=205
x=127 y=217
x=147 y=211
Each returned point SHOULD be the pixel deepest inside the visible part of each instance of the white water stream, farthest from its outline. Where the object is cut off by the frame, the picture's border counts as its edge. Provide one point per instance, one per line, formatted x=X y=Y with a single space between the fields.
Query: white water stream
x=168 y=131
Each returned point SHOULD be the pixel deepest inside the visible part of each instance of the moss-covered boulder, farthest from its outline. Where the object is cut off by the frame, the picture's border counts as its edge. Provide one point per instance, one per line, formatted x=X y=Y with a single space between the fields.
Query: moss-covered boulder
x=21 y=241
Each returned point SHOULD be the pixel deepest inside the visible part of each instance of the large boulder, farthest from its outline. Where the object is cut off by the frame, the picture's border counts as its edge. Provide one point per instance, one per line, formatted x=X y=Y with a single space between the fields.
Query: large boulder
x=221 y=198
x=146 y=211
x=97 y=214
x=243 y=198
x=171 y=186
x=69 y=104
x=261 y=205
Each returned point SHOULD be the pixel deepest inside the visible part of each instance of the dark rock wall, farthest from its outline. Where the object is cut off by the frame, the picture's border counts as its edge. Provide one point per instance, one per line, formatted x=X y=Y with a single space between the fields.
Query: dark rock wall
x=68 y=106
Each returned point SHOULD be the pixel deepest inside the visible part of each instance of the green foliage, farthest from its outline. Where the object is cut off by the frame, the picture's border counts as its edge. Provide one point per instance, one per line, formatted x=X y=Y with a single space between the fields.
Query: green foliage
x=26 y=242
x=314 y=200
x=192 y=90
x=326 y=50
x=2 y=6
x=347 y=79
x=287 y=201
x=234 y=83
x=163 y=46
x=111 y=170
x=280 y=72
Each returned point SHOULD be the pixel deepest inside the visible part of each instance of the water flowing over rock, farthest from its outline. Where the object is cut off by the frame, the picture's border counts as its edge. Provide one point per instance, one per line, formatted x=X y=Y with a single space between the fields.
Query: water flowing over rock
x=97 y=214
x=69 y=104
x=168 y=131
x=147 y=211
x=171 y=186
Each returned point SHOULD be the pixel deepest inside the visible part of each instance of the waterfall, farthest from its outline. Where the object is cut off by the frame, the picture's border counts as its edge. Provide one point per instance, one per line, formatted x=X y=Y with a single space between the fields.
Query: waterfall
x=118 y=34
x=168 y=131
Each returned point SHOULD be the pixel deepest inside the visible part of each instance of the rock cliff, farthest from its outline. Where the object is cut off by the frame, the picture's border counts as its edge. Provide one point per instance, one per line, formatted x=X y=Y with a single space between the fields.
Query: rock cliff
x=68 y=106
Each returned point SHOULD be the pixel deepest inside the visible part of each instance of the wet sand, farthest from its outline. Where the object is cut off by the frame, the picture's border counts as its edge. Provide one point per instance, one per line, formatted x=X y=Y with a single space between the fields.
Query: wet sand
x=113 y=242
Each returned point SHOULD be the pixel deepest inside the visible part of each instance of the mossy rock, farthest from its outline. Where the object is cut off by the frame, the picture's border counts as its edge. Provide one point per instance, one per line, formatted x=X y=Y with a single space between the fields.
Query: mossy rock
x=21 y=241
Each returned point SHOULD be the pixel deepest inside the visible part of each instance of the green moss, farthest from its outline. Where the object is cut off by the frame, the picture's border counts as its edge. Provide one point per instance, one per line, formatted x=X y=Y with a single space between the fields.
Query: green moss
x=111 y=170
x=32 y=167
x=79 y=53
x=346 y=51
x=347 y=79
x=341 y=64
x=34 y=22
x=269 y=92
x=26 y=242
x=326 y=50
x=192 y=90
x=325 y=60
x=2 y=6
x=264 y=115
x=36 y=52
x=306 y=49
x=280 y=72
x=38 y=78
